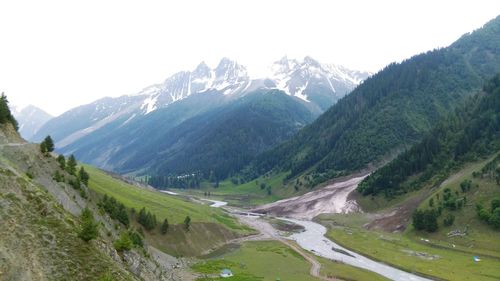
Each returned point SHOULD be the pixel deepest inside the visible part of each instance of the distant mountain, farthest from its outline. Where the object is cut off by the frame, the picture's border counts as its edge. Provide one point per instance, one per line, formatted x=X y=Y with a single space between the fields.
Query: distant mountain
x=110 y=132
x=30 y=119
x=321 y=84
x=388 y=111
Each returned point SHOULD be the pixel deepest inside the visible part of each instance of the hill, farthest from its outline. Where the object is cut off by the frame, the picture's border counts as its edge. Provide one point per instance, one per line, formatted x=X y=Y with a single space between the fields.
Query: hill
x=439 y=200
x=55 y=227
x=472 y=132
x=389 y=111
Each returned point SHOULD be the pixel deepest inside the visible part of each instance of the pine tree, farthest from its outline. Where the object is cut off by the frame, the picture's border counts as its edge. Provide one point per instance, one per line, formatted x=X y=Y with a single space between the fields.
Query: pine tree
x=83 y=176
x=43 y=148
x=187 y=222
x=71 y=165
x=89 y=227
x=5 y=114
x=124 y=243
x=49 y=143
x=62 y=161
x=164 y=226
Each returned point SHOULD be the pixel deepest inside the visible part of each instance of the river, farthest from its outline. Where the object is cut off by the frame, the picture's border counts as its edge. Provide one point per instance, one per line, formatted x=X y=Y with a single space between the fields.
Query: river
x=313 y=239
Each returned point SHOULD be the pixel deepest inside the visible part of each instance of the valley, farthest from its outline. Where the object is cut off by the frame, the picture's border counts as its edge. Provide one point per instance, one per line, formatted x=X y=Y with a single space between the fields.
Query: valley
x=294 y=170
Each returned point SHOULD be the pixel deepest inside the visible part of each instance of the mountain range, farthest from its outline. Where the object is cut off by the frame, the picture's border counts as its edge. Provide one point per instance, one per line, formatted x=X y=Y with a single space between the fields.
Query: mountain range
x=388 y=112
x=104 y=132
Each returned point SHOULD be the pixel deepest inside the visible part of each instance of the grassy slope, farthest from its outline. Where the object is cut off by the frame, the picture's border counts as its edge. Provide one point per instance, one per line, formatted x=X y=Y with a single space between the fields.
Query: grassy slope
x=210 y=227
x=38 y=236
x=454 y=262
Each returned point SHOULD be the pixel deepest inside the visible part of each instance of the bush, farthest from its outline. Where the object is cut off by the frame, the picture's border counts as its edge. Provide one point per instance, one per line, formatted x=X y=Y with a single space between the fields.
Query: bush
x=124 y=243
x=494 y=219
x=136 y=238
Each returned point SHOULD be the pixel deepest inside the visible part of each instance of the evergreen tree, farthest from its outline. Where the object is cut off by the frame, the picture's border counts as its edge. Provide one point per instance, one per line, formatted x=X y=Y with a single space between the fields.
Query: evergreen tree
x=43 y=148
x=62 y=161
x=5 y=114
x=494 y=219
x=71 y=165
x=83 y=176
x=164 y=226
x=431 y=224
x=187 y=222
x=124 y=243
x=495 y=203
x=418 y=220
x=89 y=227
x=49 y=143
x=146 y=219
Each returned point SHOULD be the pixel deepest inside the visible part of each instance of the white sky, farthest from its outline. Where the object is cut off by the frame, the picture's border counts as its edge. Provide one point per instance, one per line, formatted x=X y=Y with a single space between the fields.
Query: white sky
x=61 y=54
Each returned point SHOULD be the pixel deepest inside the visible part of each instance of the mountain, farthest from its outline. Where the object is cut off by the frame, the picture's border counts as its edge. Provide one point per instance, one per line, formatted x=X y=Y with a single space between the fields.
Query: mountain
x=117 y=133
x=228 y=78
x=388 y=111
x=30 y=119
x=471 y=132
x=320 y=84
x=223 y=141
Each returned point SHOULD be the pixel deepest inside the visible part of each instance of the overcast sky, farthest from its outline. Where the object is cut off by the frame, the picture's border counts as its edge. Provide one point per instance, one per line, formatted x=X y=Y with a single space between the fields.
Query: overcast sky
x=61 y=54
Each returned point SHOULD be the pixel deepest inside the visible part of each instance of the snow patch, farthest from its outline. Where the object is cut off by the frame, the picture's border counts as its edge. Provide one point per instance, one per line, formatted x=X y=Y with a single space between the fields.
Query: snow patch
x=149 y=104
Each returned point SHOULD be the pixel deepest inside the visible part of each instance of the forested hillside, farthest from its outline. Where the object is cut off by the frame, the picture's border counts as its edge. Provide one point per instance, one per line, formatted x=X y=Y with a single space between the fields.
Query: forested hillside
x=389 y=111
x=471 y=132
x=221 y=142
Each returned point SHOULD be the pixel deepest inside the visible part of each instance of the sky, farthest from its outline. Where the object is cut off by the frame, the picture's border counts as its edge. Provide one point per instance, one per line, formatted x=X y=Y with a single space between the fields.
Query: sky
x=60 y=54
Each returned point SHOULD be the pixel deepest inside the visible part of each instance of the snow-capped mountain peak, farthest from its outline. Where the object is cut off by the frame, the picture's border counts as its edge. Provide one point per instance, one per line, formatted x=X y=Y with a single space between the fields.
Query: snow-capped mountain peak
x=308 y=78
x=228 y=76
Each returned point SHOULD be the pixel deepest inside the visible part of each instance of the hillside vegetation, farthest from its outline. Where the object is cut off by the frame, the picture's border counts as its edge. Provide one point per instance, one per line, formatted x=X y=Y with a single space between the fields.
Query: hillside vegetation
x=209 y=227
x=40 y=221
x=389 y=111
x=472 y=132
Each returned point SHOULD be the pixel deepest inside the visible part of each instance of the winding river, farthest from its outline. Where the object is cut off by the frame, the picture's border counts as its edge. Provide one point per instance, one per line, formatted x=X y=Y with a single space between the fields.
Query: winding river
x=313 y=239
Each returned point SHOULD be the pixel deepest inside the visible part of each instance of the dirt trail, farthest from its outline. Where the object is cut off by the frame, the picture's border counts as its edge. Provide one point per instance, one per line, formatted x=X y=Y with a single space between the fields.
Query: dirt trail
x=14 y=144
x=330 y=199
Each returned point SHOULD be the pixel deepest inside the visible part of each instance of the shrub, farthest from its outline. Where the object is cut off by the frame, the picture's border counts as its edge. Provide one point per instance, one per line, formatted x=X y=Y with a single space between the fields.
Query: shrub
x=124 y=243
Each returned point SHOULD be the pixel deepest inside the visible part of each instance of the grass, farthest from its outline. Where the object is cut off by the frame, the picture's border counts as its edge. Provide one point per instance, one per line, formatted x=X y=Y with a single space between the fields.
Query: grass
x=433 y=254
x=272 y=260
x=210 y=227
x=258 y=260
x=346 y=272
x=401 y=251
x=43 y=241
x=175 y=209
x=480 y=236
x=249 y=193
